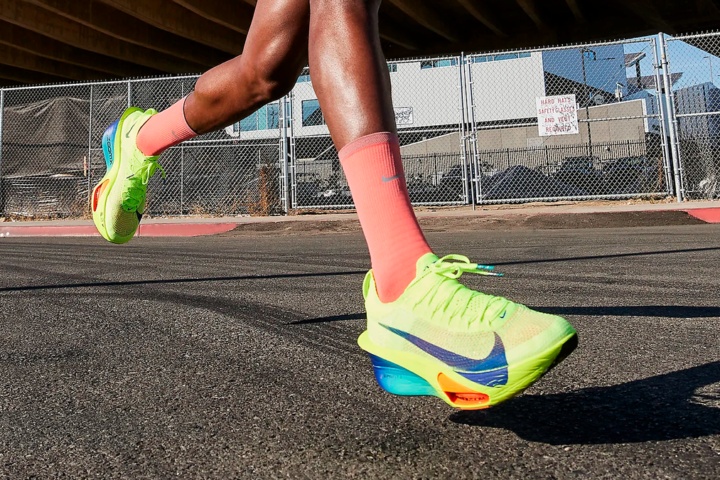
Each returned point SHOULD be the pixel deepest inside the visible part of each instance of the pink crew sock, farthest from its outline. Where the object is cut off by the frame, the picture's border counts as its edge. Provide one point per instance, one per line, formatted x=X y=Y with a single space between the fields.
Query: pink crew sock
x=165 y=130
x=376 y=177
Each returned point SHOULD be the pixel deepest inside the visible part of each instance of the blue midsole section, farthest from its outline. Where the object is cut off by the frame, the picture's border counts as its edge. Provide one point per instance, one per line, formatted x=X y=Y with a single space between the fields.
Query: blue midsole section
x=108 y=143
x=398 y=380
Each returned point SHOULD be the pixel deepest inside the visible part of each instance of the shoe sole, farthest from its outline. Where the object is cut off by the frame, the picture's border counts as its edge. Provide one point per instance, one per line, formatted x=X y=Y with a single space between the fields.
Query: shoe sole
x=112 y=139
x=411 y=375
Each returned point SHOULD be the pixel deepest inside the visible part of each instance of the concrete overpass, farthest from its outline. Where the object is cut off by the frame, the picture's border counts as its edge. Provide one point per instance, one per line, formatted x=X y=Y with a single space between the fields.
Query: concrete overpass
x=45 y=41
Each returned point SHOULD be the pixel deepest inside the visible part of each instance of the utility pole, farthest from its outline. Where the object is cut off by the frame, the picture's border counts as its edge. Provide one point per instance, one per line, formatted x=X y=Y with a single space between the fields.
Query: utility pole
x=712 y=77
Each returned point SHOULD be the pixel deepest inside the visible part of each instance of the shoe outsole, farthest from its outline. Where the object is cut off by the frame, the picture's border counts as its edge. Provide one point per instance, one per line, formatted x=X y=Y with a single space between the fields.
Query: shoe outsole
x=411 y=375
x=112 y=152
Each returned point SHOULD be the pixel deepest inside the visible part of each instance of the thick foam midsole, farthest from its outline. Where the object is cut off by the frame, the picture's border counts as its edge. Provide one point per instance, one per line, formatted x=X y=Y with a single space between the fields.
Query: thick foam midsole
x=398 y=380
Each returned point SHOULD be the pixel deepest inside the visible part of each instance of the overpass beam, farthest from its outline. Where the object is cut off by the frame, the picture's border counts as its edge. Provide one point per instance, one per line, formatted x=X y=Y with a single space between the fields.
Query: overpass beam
x=480 y=11
x=645 y=10
x=72 y=33
x=31 y=42
x=19 y=59
x=110 y=21
x=20 y=75
x=168 y=16
x=230 y=14
x=427 y=17
x=576 y=9
x=532 y=10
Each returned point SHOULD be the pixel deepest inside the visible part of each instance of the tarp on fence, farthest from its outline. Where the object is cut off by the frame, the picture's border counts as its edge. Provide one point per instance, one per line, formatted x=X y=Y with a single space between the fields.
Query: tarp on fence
x=44 y=138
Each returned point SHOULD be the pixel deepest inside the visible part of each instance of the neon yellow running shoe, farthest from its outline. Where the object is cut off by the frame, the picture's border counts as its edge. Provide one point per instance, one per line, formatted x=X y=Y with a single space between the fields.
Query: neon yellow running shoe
x=470 y=349
x=118 y=201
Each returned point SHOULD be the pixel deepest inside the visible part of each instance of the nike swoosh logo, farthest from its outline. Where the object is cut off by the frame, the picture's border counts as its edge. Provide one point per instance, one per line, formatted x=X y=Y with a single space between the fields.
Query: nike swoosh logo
x=490 y=371
x=503 y=315
x=127 y=135
x=385 y=179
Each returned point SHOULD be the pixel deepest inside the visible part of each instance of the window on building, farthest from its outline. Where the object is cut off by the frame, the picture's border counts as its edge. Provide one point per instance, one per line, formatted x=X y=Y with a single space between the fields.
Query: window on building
x=304 y=76
x=449 y=62
x=499 y=58
x=265 y=118
x=392 y=67
x=311 y=114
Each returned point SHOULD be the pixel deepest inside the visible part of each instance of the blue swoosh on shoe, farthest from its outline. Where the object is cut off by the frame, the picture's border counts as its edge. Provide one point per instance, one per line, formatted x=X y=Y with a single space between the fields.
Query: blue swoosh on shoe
x=490 y=371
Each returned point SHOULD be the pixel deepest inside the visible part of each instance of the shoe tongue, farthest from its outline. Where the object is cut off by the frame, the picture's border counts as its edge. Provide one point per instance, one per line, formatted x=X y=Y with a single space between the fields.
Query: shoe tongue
x=425 y=261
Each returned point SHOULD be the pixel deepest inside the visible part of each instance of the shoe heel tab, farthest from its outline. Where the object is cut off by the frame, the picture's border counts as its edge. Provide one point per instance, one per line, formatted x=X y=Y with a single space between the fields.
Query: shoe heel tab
x=369 y=285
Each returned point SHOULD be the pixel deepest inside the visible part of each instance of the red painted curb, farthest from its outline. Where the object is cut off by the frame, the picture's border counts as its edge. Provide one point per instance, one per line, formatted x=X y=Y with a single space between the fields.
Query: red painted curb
x=149 y=230
x=709 y=215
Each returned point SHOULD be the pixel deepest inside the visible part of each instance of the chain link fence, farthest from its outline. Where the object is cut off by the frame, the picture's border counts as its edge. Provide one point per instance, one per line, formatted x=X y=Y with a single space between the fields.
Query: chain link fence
x=471 y=129
x=695 y=98
x=618 y=149
x=52 y=153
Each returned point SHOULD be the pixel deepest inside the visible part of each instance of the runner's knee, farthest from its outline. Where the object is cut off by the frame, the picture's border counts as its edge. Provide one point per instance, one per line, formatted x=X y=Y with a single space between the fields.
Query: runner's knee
x=262 y=83
x=337 y=6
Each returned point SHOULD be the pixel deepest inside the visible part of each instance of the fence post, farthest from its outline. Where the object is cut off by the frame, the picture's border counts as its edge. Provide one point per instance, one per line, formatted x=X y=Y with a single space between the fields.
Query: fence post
x=463 y=126
x=284 y=150
x=89 y=154
x=475 y=171
x=129 y=94
x=182 y=159
x=2 y=112
x=672 y=120
x=663 y=118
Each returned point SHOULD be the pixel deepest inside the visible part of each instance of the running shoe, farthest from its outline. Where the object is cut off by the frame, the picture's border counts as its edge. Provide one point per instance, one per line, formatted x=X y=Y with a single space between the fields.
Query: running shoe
x=118 y=201
x=443 y=339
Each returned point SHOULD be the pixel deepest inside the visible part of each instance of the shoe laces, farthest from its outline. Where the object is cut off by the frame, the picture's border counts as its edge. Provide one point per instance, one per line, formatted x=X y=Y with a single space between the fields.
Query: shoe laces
x=449 y=298
x=136 y=184
x=461 y=264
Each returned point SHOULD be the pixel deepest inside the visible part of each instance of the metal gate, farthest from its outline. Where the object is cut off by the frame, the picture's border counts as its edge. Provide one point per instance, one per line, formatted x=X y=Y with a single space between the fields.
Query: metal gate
x=621 y=149
x=692 y=71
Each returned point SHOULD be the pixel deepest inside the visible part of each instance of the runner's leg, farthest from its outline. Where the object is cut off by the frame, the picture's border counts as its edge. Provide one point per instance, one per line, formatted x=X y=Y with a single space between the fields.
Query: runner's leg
x=273 y=57
x=351 y=78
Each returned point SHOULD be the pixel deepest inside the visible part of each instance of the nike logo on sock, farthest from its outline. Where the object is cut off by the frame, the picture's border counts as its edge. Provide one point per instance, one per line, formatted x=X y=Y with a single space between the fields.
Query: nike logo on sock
x=386 y=180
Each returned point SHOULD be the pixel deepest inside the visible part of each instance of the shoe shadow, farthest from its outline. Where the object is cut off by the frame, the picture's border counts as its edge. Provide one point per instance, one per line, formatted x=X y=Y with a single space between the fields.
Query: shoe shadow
x=666 y=407
x=667 y=311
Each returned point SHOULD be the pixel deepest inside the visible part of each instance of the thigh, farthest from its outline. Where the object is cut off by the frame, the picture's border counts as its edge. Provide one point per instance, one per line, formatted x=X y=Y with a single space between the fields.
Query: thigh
x=275 y=52
x=277 y=42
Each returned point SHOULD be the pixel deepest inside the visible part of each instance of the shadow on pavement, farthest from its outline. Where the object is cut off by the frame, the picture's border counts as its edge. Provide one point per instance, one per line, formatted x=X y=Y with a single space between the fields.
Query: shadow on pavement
x=336 y=318
x=178 y=280
x=604 y=257
x=668 y=311
x=666 y=407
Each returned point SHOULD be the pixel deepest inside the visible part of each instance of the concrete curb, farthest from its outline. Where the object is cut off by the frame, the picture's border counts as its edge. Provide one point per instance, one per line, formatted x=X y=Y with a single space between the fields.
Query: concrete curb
x=149 y=230
x=188 y=227
x=709 y=215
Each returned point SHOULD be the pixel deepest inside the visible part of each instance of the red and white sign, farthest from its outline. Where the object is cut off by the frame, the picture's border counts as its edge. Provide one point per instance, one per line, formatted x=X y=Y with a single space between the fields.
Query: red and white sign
x=557 y=115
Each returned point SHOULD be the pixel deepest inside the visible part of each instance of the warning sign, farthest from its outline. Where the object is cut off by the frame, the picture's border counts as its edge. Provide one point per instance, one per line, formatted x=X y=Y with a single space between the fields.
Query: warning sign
x=557 y=115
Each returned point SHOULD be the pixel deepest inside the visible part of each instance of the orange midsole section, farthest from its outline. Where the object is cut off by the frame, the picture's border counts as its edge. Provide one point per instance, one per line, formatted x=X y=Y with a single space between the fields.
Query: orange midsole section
x=461 y=395
x=98 y=193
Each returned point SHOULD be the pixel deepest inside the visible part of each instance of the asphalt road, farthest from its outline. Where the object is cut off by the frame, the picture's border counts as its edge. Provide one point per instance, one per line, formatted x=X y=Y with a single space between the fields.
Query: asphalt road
x=235 y=356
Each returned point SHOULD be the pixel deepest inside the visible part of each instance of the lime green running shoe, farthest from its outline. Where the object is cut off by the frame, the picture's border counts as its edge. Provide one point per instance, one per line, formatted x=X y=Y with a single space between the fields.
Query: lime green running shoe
x=470 y=349
x=118 y=201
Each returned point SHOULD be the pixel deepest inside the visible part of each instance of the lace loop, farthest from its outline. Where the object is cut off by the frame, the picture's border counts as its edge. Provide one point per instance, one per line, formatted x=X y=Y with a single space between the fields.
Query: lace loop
x=453 y=266
x=136 y=184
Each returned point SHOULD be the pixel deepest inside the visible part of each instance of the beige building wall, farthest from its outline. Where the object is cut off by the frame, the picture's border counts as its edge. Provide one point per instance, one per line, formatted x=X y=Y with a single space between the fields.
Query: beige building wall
x=529 y=137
